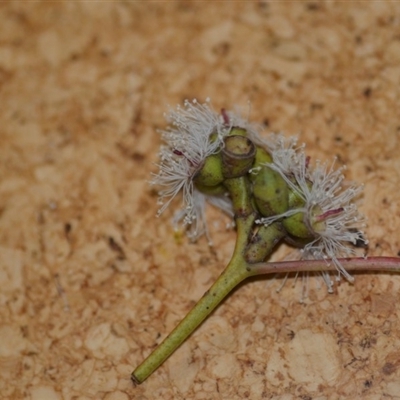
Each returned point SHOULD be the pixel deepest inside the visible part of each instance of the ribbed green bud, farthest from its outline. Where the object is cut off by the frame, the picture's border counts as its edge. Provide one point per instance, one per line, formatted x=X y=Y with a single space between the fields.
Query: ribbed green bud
x=210 y=173
x=270 y=192
x=237 y=156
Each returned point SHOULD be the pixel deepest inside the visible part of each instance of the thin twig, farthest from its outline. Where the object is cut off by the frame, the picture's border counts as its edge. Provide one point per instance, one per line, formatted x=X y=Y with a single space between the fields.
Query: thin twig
x=387 y=264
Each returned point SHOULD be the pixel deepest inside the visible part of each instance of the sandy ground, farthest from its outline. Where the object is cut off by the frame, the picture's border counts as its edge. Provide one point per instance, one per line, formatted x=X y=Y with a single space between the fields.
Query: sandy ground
x=91 y=280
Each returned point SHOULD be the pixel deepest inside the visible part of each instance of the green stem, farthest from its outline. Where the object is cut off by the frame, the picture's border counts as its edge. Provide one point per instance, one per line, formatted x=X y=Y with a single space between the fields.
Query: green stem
x=234 y=273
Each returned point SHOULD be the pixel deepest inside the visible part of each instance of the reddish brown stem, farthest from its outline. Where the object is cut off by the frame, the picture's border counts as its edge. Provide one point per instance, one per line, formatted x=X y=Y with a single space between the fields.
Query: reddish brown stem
x=387 y=264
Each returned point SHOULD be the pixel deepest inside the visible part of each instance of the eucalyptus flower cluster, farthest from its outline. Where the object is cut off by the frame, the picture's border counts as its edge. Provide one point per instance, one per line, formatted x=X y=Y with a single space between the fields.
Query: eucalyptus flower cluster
x=310 y=207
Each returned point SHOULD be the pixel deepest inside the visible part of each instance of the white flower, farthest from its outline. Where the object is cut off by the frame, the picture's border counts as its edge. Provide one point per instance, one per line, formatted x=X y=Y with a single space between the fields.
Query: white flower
x=328 y=212
x=187 y=145
x=285 y=152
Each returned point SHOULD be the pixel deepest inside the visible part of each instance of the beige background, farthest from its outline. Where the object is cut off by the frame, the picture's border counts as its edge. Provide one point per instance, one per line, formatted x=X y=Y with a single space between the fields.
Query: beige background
x=91 y=280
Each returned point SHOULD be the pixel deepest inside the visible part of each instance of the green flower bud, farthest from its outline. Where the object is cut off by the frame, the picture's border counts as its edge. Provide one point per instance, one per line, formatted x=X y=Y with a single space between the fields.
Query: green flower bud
x=262 y=157
x=210 y=173
x=270 y=192
x=299 y=225
x=237 y=156
x=295 y=226
x=263 y=242
x=305 y=225
x=216 y=190
x=295 y=199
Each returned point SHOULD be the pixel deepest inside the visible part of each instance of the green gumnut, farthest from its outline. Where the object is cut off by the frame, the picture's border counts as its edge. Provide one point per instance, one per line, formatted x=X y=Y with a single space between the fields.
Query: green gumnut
x=237 y=156
x=210 y=173
x=304 y=226
x=300 y=225
x=296 y=226
x=270 y=192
